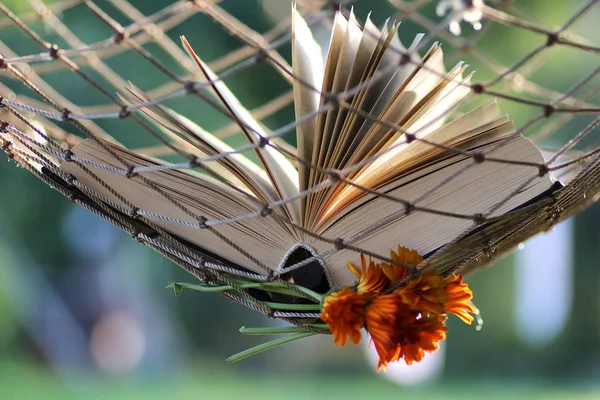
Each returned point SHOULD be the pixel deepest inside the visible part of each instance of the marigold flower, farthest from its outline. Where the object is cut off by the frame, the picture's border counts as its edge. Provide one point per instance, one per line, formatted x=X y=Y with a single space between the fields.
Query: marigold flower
x=381 y=321
x=429 y=292
x=422 y=335
x=344 y=312
x=425 y=292
x=401 y=332
x=404 y=322
x=396 y=273
x=370 y=278
x=459 y=298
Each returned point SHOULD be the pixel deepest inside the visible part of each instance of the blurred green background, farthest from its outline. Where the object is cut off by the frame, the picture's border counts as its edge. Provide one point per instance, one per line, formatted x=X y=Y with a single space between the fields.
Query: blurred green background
x=84 y=312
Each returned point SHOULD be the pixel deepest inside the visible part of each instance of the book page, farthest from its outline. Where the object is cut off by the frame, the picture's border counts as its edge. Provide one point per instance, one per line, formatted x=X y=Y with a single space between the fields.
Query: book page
x=475 y=190
x=307 y=64
x=336 y=117
x=364 y=54
x=396 y=81
x=400 y=104
x=265 y=239
x=281 y=172
x=192 y=138
x=335 y=46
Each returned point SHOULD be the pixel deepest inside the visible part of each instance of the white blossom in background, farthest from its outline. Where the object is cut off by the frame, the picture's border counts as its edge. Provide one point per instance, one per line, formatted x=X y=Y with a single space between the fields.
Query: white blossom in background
x=544 y=300
x=425 y=372
x=463 y=10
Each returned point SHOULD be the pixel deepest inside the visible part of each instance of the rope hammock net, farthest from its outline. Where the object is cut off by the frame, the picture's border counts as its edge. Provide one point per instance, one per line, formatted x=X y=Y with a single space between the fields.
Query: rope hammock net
x=130 y=82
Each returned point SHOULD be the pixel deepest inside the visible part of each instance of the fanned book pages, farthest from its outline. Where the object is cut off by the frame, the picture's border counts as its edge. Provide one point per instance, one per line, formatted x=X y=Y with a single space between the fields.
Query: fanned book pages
x=390 y=135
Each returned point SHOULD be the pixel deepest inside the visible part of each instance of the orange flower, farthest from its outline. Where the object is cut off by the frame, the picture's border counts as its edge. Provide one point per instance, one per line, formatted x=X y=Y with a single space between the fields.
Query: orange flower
x=425 y=292
x=422 y=335
x=459 y=298
x=396 y=273
x=429 y=292
x=380 y=321
x=401 y=332
x=370 y=278
x=404 y=324
x=344 y=312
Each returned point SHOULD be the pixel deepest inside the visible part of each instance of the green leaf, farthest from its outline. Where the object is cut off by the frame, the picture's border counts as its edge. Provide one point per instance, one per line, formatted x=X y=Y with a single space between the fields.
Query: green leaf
x=293 y=307
x=177 y=288
x=277 y=330
x=273 y=287
x=268 y=346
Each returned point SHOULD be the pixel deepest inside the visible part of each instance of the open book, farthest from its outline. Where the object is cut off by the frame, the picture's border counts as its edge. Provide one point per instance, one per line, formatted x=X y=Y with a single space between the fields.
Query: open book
x=391 y=109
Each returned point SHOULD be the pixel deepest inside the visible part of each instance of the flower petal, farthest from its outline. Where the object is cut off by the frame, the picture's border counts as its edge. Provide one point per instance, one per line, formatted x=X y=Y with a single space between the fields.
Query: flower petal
x=344 y=313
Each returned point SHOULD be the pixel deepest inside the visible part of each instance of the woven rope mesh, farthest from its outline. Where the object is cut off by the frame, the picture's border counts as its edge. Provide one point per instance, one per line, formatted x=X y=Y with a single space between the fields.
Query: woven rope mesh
x=71 y=83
